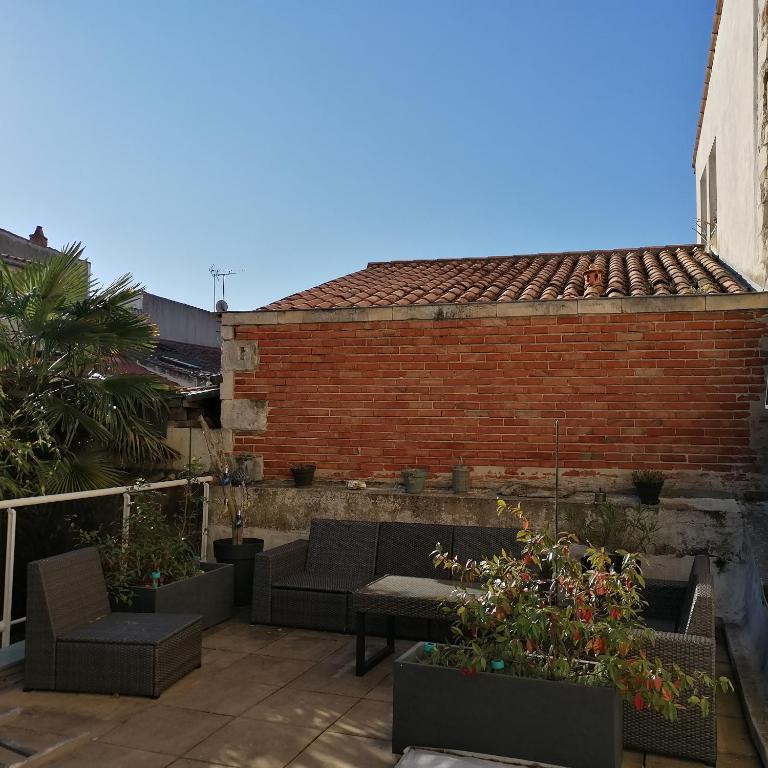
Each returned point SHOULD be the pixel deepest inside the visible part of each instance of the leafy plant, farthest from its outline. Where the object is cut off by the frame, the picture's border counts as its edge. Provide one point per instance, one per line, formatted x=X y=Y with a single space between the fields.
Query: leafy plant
x=69 y=420
x=614 y=527
x=151 y=542
x=648 y=476
x=582 y=625
x=235 y=508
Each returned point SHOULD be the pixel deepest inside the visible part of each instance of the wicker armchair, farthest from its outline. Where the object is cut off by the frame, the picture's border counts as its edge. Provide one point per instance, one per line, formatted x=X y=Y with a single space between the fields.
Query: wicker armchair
x=308 y=583
x=75 y=643
x=683 y=616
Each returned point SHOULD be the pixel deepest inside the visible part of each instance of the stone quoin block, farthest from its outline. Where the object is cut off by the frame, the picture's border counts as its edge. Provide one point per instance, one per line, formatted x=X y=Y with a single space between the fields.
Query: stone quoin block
x=239 y=355
x=244 y=415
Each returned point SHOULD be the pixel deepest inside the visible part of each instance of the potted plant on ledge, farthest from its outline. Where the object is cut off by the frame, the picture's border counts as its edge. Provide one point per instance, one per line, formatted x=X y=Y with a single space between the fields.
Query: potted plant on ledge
x=648 y=484
x=538 y=666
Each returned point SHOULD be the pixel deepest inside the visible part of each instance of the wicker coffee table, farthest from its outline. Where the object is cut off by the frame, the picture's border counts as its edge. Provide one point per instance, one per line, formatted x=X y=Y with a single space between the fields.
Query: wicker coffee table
x=393 y=596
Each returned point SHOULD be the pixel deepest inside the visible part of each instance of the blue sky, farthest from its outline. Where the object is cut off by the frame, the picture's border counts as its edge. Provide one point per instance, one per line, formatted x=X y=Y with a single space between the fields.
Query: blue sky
x=296 y=140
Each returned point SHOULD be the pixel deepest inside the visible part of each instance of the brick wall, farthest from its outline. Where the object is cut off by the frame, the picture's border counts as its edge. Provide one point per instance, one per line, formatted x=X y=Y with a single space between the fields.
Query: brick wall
x=679 y=391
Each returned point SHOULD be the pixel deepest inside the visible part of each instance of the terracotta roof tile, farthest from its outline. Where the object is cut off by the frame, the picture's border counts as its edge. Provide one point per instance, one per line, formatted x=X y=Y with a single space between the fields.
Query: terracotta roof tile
x=656 y=271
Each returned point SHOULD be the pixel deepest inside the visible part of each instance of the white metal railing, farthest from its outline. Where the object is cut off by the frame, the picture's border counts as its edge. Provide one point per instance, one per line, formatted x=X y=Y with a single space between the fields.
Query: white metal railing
x=11 y=505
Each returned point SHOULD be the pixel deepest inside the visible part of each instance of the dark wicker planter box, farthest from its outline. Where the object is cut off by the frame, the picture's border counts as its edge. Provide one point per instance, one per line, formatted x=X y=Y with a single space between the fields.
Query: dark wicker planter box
x=211 y=594
x=556 y=723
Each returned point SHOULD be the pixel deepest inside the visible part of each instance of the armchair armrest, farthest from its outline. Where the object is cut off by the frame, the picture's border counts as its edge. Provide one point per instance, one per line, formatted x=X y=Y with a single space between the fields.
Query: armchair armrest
x=692 y=653
x=270 y=566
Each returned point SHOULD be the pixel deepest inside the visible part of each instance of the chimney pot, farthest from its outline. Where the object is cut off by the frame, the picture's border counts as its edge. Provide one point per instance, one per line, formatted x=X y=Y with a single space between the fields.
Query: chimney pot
x=593 y=277
x=38 y=237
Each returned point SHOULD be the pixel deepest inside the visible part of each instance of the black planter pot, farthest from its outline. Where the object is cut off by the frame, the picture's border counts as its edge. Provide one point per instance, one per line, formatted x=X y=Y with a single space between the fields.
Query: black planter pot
x=241 y=557
x=303 y=474
x=649 y=492
x=209 y=594
x=544 y=721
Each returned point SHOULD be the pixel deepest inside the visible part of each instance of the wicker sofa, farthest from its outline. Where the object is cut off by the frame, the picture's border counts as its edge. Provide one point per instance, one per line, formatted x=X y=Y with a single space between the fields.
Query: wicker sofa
x=683 y=617
x=309 y=583
x=75 y=643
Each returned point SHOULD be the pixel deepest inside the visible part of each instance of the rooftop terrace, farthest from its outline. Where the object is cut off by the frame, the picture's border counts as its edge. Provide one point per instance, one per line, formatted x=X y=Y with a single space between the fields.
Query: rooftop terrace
x=265 y=697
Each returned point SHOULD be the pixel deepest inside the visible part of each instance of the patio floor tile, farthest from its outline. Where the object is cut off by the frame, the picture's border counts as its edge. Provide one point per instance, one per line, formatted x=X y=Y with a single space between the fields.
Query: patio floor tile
x=372 y=719
x=213 y=658
x=85 y=704
x=304 y=708
x=184 y=762
x=267 y=670
x=98 y=753
x=632 y=759
x=733 y=737
x=338 y=750
x=729 y=705
x=247 y=743
x=382 y=692
x=170 y=730
x=303 y=647
x=242 y=638
x=738 y=761
x=331 y=678
x=61 y=722
x=218 y=694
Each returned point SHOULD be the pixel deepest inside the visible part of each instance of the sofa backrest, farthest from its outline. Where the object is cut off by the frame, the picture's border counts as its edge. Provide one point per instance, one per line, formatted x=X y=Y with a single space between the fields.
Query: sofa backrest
x=342 y=546
x=405 y=549
x=697 y=616
x=477 y=543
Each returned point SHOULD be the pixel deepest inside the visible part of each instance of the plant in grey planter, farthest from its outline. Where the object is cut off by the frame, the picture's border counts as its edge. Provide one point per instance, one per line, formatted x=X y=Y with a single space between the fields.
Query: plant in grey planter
x=614 y=527
x=553 y=648
x=152 y=565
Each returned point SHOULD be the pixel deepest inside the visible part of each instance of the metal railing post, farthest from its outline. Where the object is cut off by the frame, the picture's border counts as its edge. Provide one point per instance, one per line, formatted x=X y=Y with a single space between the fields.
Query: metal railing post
x=126 y=517
x=204 y=532
x=10 y=547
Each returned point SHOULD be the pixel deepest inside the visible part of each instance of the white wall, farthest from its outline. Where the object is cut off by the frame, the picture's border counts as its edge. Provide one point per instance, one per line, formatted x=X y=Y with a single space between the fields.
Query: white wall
x=181 y=322
x=730 y=118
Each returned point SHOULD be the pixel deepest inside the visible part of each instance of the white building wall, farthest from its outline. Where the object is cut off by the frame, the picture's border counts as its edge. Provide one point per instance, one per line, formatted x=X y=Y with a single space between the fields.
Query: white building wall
x=731 y=120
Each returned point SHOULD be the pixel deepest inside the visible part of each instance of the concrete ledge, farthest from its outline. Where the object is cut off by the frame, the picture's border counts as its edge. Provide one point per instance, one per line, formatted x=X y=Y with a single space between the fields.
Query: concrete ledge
x=437 y=312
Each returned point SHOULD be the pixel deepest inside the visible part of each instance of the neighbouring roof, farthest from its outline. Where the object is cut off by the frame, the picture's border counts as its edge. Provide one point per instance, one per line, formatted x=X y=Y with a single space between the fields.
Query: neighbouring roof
x=657 y=271
x=181 y=364
x=708 y=73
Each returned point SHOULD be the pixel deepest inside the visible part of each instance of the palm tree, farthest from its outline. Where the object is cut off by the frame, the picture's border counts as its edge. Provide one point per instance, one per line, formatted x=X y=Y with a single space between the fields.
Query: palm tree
x=68 y=420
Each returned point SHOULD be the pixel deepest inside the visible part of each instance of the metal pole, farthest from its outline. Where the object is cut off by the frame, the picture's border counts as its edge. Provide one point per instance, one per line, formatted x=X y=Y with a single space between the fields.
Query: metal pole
x=204 y=533
x=126 y=517
x=10 y=546
x=557 y=473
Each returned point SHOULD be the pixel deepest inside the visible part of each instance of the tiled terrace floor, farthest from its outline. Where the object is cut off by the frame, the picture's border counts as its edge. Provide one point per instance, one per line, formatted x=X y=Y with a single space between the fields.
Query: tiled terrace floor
x=264 y=698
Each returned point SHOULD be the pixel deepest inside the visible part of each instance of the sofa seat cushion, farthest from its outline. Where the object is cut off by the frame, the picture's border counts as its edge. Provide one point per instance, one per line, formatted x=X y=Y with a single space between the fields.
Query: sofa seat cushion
x=131 y=628
x=661 y=624
x=322 y=582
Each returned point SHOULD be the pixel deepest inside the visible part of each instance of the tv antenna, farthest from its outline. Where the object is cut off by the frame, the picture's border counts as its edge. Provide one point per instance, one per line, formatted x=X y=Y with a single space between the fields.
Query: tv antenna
x=219 y=274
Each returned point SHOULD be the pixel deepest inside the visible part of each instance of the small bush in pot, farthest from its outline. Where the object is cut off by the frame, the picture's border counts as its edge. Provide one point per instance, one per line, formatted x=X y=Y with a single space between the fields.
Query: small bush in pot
x=583 y=625
x=614 y=527
x=648 y=484
x=153 y=542
x=237 y=508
